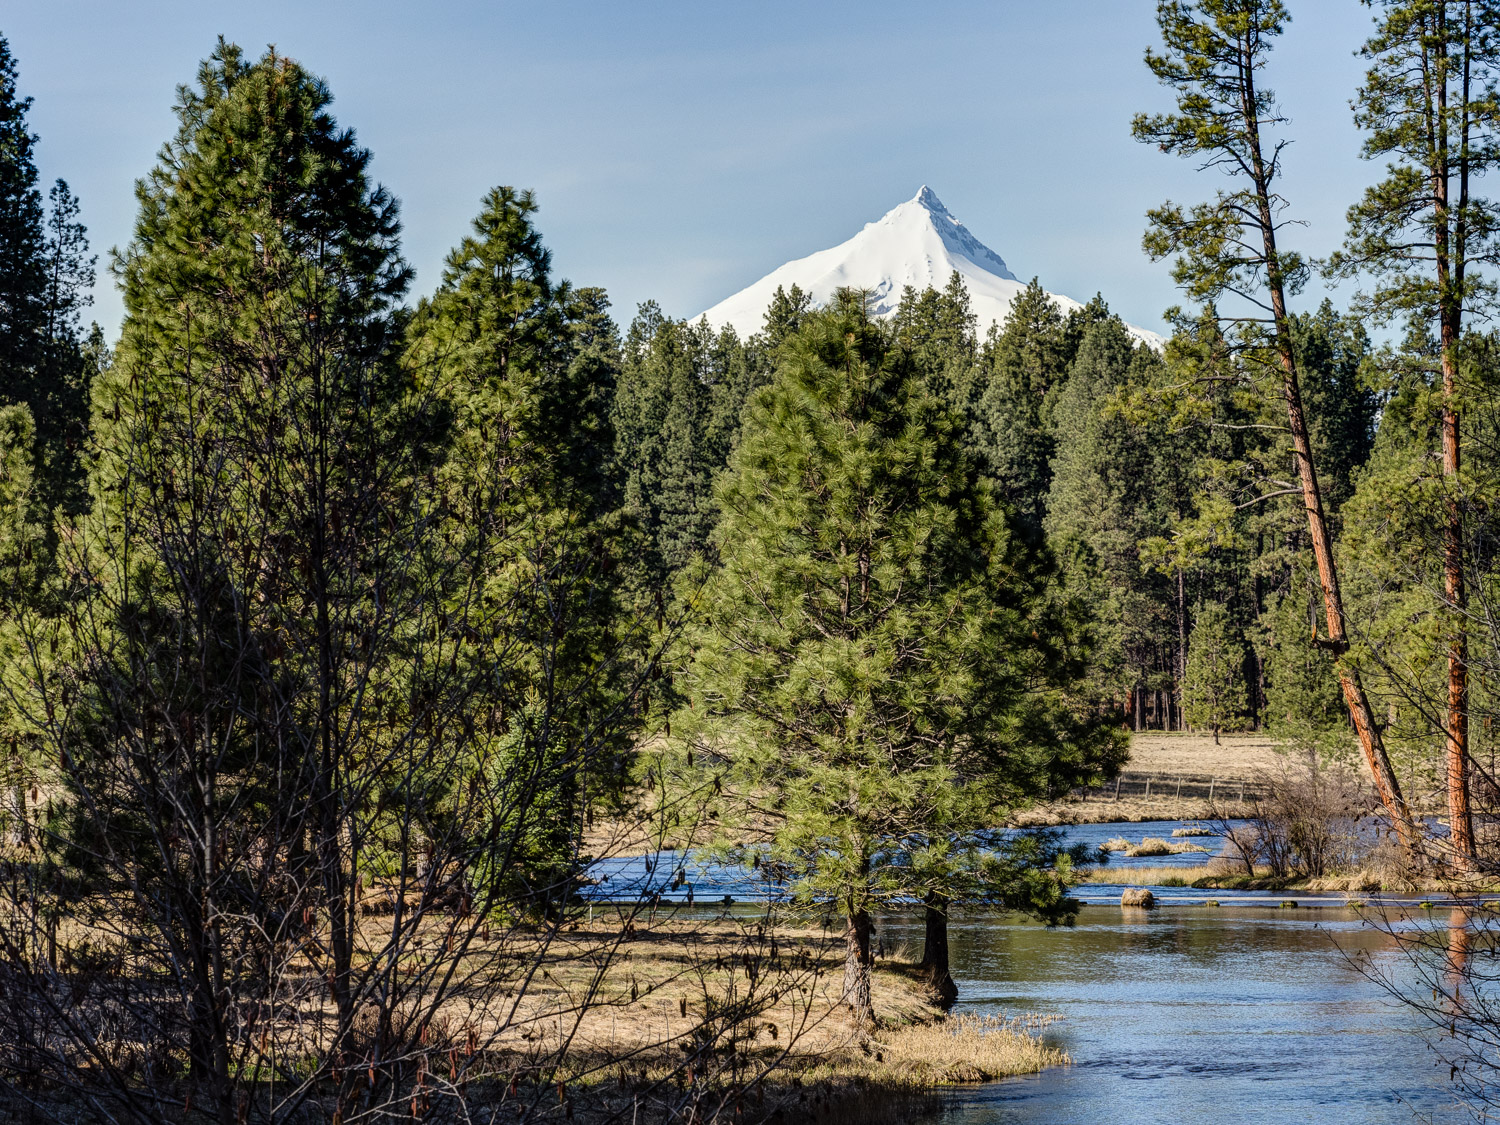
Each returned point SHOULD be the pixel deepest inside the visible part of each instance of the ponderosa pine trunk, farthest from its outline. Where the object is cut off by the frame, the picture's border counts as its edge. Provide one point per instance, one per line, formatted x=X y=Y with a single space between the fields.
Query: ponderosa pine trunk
x=1460 y=817
x=1449 y=260
x=1360 y=715
x=1178 y=696
x=935 y=950
x=857 y=927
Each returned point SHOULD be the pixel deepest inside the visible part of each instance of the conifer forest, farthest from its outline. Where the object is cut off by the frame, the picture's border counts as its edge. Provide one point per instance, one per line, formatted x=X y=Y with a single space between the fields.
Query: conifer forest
x=468 y=700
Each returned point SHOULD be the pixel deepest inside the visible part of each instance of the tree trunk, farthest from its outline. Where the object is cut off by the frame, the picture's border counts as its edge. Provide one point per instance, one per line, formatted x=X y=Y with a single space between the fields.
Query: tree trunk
x=1449 y=260
x=1370 y=742
x=857 y=968
x=935 y=951
x=1181 y=670
x=1460 y=819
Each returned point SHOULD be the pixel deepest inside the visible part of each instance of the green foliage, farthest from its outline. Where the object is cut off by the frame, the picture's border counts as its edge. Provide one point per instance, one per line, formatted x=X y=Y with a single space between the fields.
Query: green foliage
x=1332 y=354
x=1118 y=483
x=676 y=415
x=23 y=278
x=45 y=274
x=1429 y=108
x=1304 y=705
x=525 y=370
x=1214 y=52
x=1214 y=689
x=1024 y=364
x=936 y=331
x=882 y=666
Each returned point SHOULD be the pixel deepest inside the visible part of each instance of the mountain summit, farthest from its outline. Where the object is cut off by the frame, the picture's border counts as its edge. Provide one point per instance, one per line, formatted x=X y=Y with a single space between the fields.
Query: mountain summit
x=918 y=243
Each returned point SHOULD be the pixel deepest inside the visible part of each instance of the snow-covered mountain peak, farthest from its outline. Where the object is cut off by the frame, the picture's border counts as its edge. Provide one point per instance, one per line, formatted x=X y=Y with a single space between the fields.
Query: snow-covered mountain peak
x=919 y=244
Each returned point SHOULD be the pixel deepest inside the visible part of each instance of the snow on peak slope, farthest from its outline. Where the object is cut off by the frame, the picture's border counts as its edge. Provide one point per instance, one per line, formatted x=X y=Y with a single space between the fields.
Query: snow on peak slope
x=918 y=243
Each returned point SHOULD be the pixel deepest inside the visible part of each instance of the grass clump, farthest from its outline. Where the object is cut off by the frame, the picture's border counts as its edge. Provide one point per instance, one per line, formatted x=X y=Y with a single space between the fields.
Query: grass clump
x=1155 y=845
x=971 y=1048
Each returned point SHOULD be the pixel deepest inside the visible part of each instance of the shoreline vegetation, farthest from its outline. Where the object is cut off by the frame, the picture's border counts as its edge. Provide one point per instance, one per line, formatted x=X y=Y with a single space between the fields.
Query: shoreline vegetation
x=1217 y=875
x=728 y=1018
x=626 y=1046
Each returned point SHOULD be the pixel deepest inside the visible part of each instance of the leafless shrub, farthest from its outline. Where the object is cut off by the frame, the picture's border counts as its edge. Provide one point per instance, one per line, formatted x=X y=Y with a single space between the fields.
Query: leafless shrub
x=1312 y=819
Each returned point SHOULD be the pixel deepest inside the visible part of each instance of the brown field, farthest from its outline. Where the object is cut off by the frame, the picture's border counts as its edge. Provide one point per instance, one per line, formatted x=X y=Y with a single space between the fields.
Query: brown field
x=1167 y=757
x=1238 y=757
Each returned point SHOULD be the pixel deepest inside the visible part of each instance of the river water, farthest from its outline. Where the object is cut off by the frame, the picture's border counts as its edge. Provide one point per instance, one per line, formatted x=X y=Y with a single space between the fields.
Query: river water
x=1196 y=1014
x=1237 y=1013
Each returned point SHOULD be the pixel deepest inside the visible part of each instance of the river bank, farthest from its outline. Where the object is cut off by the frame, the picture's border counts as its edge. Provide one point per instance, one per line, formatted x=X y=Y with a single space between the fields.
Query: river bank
x=765 y=1043
x=1215 y=876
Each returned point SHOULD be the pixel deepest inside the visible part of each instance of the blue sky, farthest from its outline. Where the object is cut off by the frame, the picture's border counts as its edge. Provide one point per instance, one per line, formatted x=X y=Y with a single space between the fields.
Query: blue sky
x=681 y=150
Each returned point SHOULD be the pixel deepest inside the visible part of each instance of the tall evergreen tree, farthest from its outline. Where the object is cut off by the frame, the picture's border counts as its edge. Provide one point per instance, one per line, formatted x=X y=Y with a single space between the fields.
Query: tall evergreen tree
x=1118 y=482
x=676 y=415
x=1429 y=105
x=936 y=330
x=878 y=665
x=526 y=368
x=1214 y=689
x=46 y=273
x=1341 y=406
x=1025 y=361
x=23 y=279
x=1229 y=248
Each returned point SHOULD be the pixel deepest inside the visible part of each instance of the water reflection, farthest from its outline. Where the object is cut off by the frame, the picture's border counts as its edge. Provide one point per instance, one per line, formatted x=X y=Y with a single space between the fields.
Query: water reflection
x=1193 y=1013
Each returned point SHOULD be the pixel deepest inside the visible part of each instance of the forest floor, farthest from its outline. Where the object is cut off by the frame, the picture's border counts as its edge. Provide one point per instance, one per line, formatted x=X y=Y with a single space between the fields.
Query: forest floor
x=1168 y=758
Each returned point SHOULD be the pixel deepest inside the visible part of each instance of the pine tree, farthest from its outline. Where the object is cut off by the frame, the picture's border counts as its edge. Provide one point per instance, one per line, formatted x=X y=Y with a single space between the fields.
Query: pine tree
x=526 y=368
x=1303 y=705
x=23 y=280
x=784 y=316
x=46 y=273
x=1341 y=407
x=1117 y=483
x=1429 y=105
x=676 y=415
x=1214 y=52
x=1214 y=692
x=878 y=659
x=1025 y=362
x=247 y=560
x=936 y=330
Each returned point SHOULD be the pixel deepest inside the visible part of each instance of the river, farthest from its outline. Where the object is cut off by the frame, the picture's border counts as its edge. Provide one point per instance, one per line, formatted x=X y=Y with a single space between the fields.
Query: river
x=1237 y=1013
x=1191 y=1013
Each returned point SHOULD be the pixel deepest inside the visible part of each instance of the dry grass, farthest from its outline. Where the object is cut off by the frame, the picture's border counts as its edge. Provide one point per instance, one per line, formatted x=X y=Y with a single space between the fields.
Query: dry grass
x=688 y=1012
x=664 y=984
x=1150 y=846
x=1237 y=758
x=1154 y=876
x=1221 y=873
x=1155 y=845
x=971 y=1049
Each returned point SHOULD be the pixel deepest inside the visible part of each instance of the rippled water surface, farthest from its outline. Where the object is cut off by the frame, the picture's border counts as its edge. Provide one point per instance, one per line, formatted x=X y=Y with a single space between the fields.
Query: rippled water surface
x=1190 y=1013
x=1196 y=1014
